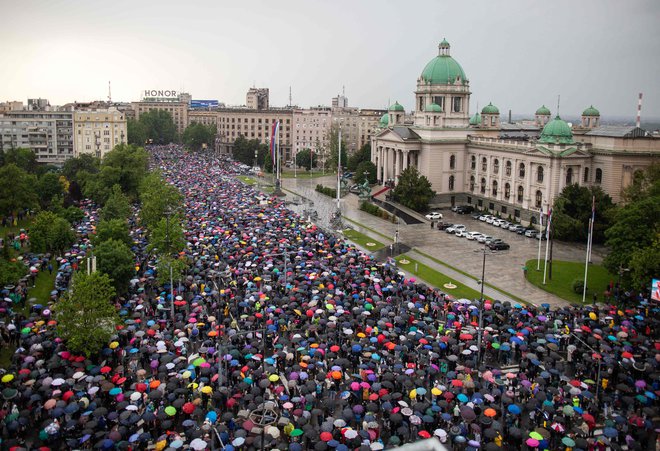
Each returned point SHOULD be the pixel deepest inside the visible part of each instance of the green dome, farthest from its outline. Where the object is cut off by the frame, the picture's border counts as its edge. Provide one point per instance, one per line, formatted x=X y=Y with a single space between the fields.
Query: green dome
x=591 y=111
x=490 y=109
x=543 y=111
x=557 y=131
x=397 y=107
x=385 y=120
x=443 y=69
x=433 y=108
x=476 y=119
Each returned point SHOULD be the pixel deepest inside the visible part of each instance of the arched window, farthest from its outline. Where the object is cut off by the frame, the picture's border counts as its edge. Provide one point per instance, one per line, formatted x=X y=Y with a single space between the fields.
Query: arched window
x=569 y=176
x=472 y=183
x=496 y=166
x=483 y=186
x=508 y=168
x=539 y=174
x=484 y=164
x=538 y=199
x=521 y=170
x=585 y=178
x=473 y=162
x=494 y=188
x=451 y=183
x=507 y=191
x=599 y=175
x=520 y=193
x=452 y=162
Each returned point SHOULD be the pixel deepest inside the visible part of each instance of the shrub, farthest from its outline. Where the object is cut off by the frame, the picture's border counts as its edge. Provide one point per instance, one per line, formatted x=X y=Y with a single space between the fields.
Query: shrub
x=578 y=286
x=330 y=192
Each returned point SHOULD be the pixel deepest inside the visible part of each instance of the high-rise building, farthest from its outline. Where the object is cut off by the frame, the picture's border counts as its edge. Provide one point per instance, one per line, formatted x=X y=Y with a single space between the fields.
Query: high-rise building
x=98 y=131
x=176 y=104
x=257 y=99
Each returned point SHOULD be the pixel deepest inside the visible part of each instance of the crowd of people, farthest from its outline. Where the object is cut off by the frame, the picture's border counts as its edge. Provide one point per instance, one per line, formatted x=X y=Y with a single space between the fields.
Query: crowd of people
x=282 y=335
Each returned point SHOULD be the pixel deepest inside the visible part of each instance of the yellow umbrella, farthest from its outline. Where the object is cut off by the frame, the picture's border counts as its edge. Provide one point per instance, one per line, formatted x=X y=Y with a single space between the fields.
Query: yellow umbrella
x=7 y=378
x=413 y=393
x=186 y=374
x=436 y=391
x=114 y=345
x=207 y=389
x=273 y=378
x=593 y=316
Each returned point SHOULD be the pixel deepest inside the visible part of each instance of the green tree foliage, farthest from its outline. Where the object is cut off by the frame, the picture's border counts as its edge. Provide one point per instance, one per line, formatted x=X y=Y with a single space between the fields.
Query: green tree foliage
x=333 y=138
x=572 y=210
x=413 y=190
x=50 y=233
x=48 y=186
x=25 y=159
x=86 y=316
x=362 y=155
x=195 y=136
x=304 y=159
x=158 y=126
x=157 y=197
x=114 y=229
x=117 y=206
x=634 y=236
x=85 y=162
x=11 y=272
x=365 y=167
x=137 y=132
x=167 y=239
x=125 y=166
x=178 y=266
x=115 y=259
x=17 y=189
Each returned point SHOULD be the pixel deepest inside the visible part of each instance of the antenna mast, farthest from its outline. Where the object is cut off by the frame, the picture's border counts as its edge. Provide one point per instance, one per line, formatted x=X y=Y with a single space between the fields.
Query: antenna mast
x=109 y=93
x=558 y=98
x=639 y=111
x=290 y=101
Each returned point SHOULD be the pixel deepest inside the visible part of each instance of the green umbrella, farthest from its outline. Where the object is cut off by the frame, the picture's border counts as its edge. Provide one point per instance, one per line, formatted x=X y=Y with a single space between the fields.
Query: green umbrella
x=26 y=330
x=296 y=432
x=496 y=345
x=198 y=361
x=535 y=435
x=568 y=442
x=9 y=393
x=568 y=410
x=170 y=410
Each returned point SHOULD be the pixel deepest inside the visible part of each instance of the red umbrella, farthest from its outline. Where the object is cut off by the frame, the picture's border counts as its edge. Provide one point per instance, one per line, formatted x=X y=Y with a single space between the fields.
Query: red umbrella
x=575 y=383
x=188 y=408
x=424 y=434
x=105 y=370
x=588 y=418
x=326 y=436
x=457 y=383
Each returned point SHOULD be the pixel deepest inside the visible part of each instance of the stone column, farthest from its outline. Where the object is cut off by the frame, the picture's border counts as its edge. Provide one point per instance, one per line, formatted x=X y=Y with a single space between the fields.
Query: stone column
x=405 y=159
x=528 y=186
x=397 y=163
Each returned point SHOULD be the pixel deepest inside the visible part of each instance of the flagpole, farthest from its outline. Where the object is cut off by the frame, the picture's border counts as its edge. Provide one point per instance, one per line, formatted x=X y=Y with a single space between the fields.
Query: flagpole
x=547 y=244
x=278 y=153
x=586 y=266
x=538 y=257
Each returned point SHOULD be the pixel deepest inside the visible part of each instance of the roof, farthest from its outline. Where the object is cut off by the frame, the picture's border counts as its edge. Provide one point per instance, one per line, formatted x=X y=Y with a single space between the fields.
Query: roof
x=475 y=119
x=490 y=109
x=405 y=133
x=543 y=111
x=591 y=111
x=397 y=107
x=557 y=131
x=443 y=69
x=384 y=120
x=619 y=131
x=433 y=108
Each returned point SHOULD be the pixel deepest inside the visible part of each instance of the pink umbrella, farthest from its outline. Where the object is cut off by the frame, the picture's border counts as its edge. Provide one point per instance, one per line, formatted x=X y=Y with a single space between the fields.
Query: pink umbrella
x=532 y=442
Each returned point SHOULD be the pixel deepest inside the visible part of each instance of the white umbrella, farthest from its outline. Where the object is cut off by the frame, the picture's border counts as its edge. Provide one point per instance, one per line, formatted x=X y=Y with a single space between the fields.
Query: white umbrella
x=198 y=444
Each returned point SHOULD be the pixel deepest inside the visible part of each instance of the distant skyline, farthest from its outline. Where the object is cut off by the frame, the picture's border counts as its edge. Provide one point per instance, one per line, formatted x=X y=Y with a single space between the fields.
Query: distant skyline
x=516 y=54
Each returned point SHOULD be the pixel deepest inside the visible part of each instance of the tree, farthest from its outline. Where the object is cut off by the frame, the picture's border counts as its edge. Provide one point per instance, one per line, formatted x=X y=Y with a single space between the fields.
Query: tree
x=362 y=155
x=86 y=317
x=113 y=229
x=117 y=206
x=17 y=190
x=84 y=162
x=644 y=265
x=50 y=233
x=48 y=186
x=333 y=138
x=178 y=266
x=159 y=126
x=115 y=259
x=25 y=159
x=644 y=184
x=197 y=135
x=125 y=166
x=167 y=236
x=369 y=168
x=157 y=197
x=11 y=271
x=137 y=132
x=572 y=211
x=304 y=159
x=413 y=190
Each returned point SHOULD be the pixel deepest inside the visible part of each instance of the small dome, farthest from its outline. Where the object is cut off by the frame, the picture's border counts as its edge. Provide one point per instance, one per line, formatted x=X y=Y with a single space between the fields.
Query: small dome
x=490 y=109
x=557 y=131
x=443 y=69
x=476 y=119
x=543 y=111
x=397 y=107
x=385 y=120
x=433 y=108
x=591 y=111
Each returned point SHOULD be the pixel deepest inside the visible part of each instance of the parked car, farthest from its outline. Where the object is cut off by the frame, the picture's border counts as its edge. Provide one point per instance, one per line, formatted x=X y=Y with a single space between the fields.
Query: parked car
x=434 y=216
x=484 y=218
x=476 y=215
x=515 y=227
x=505 y=225
x=473 y=235
x=498 y=246
x=461 y=233
x=444 y=225
x=484 y=238
x=464 y=209
x=455 y=228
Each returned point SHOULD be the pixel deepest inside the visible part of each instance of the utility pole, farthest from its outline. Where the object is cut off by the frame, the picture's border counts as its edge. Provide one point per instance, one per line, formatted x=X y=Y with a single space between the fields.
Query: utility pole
x=167 y=214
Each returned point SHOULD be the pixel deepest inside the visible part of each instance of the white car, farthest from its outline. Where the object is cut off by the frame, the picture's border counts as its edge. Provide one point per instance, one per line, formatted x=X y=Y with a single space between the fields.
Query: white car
x=531 y=233
x=505 y=225
x=483 y=218
x=484 y=238
x=434 y=216
x=473 y=235
x=461 y=233
x=455 y=228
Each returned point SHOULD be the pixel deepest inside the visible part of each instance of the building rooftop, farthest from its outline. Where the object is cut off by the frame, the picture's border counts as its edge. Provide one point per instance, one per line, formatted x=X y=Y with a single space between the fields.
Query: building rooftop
x=619 y=131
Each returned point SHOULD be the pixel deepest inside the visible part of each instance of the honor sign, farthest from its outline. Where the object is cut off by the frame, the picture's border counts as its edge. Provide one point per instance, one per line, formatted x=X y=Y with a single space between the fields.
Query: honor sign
x=159 y=93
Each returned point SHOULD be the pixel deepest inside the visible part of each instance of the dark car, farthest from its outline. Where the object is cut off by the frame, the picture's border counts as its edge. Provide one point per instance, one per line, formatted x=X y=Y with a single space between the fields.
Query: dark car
x=498 y=246
x=464 y=209
x=444 y=225
x=476 y=215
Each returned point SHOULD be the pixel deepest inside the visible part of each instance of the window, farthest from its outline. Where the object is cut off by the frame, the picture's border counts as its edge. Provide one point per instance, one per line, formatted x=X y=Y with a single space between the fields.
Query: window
x=480 y=203
x=496 y=166
x=491 y=206
x=507 y=170
x=494 y=188
x=538 y=198
x=520 y=193
x=599 y=175
x=469 y=199
x=539 y=174
x=483 y=186
x=585 y=178
x=473 y=162
x=521 y=170
x=421 y=104
x=452 y=162
x=507 y=191
x=472 y=183
x=569 y=176
x=484 y=164
x=503 y=209
x=516 y=213
x=457 y=104
x=451 y=183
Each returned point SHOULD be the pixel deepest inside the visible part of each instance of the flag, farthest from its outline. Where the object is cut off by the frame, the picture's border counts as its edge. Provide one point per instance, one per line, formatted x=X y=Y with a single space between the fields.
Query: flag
x=547 y=227
x=273 y=140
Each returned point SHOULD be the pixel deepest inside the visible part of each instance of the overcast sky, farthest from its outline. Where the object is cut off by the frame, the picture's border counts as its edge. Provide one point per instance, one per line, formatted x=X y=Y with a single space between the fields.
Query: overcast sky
x=517 y=54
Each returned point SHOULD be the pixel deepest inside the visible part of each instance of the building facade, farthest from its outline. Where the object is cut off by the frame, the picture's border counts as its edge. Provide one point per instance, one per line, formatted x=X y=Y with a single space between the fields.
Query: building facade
x=98 y=131
x=311 y=130
x=510 y=169
x=177 y=106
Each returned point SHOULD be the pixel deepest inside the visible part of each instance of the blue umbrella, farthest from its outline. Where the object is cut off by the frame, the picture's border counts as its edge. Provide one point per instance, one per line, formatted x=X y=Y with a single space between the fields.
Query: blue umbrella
x=610 y=432
x=514 y=409
x=462 y=397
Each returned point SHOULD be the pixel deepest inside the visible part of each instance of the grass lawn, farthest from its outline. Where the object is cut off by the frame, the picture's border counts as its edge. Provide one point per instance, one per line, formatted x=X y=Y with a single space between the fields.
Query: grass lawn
x=362 y=239
x=436 y=278
x=247 y=179
x=563 y=275
x=302 y=174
